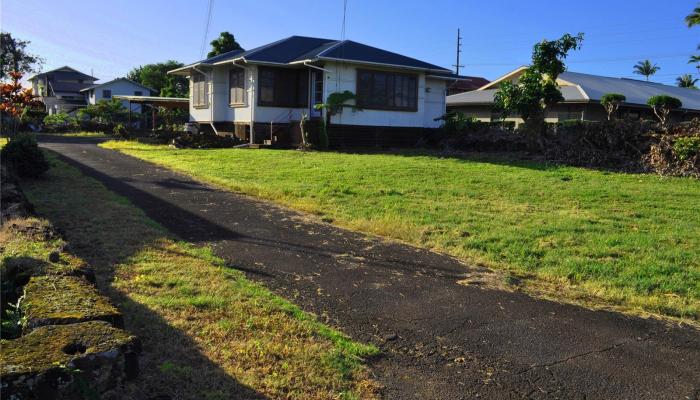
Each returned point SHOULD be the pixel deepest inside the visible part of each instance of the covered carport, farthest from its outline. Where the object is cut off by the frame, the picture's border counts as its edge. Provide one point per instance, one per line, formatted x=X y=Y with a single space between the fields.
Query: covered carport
x=152 y=102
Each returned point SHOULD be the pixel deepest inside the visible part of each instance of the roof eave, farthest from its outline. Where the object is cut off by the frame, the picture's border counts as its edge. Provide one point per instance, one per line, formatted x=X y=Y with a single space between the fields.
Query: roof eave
x=383 y=64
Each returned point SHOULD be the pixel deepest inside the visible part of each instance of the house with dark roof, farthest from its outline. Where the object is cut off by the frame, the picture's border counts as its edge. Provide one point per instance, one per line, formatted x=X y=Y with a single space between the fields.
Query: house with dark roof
x=261 y=94
x=582 y=94
x=60 y=89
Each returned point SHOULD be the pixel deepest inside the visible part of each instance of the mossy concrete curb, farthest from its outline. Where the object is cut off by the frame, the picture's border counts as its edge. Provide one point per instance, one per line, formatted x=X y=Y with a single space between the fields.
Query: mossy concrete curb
x=66 y=361
x=61 y=300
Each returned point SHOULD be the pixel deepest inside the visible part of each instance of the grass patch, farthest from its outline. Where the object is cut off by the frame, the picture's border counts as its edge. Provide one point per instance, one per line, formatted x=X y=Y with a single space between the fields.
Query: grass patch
x=208 y=332
x=628 y=241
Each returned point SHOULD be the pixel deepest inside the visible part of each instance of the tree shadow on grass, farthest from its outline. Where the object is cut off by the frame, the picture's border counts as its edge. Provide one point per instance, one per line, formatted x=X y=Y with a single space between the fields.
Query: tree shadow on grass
x=172 y=365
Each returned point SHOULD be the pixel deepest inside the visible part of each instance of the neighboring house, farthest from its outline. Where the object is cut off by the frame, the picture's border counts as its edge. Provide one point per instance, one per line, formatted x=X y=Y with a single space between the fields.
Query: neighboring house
x=116 y=87
x=466 y=84
x=582 y=94
x=60 y=89
x=260 y=94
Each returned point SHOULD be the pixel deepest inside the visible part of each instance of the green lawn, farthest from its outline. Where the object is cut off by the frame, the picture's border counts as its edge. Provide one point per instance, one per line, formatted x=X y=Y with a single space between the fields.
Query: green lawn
x=622 y=240
x=207 y=331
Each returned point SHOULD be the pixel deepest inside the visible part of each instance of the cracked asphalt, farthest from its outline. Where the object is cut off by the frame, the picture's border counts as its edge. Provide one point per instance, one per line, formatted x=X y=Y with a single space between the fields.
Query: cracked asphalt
x=439 y=339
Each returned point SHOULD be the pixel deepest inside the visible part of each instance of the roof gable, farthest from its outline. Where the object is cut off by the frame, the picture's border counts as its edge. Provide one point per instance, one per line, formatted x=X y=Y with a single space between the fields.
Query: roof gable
x=66 y=70
x=117 y=80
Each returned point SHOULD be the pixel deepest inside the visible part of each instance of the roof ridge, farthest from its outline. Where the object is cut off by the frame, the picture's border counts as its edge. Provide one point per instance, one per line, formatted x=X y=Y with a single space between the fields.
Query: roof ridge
x=336 y=44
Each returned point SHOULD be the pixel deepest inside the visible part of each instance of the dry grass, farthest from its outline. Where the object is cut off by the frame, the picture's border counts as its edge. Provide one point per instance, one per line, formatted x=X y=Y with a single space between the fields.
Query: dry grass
x=208 y=332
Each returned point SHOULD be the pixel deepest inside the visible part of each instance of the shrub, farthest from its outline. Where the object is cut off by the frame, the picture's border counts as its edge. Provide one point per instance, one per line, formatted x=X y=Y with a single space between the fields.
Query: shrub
x=120 y=130
x=686 y=147
x=611 y=102
x=22 y=155
x=60 y=122
x=204 y=141
x=104 y=115
x=458 y=122
x=663 y=105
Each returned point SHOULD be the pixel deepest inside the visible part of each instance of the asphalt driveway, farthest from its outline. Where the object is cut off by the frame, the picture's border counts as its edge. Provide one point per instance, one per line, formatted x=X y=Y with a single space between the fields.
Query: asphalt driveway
x=440 y=339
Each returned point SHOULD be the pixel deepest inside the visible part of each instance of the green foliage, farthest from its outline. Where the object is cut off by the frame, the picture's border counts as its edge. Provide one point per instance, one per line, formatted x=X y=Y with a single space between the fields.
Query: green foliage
x=457 y=122
x=105 y=113
x=537 y=88
x=172 y=119
x=336 y=101
x=663 y=105
x=334 y=104
x=548 y=56
x=155 y=76
x=60 y=122
x=224 y=43
x=14 y=56
x=611 y=102
x=686 y=81
x=11 y=322
x=686 y=147
x=693 y=18
x=22 y=154
x=645 y=68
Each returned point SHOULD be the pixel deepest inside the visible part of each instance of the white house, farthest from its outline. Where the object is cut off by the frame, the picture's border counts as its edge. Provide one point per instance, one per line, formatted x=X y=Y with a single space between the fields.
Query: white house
x=118 y=86
x=260 y=94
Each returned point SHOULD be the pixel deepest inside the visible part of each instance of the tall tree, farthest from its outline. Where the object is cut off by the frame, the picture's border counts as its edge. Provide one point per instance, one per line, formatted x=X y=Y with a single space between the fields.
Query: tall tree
x=537 y=87
x=15 y=57
x=687 y=81
x=156 y=77
x=695 y=60
x=646 y=68
x=693 y=18
x=223 y=44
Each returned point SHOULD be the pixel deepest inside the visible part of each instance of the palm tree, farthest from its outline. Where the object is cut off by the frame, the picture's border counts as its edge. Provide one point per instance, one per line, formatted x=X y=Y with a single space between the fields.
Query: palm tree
x=646 y=68
x=695 y=60
x=687 y=81
x=693 y=18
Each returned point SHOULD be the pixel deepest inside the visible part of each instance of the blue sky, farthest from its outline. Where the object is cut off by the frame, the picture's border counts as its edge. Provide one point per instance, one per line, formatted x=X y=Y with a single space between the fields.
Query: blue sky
x=111 y=37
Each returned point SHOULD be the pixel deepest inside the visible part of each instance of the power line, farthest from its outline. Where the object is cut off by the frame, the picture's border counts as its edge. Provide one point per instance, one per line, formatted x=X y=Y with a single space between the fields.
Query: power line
x=206 y=28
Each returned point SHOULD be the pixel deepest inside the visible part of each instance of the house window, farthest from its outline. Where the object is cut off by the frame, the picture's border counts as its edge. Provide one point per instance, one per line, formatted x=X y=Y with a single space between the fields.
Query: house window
x=138 y=93
x=200 y=90
x=387 y=90
x=280 y=87
x=236 y=86
x=106 y=94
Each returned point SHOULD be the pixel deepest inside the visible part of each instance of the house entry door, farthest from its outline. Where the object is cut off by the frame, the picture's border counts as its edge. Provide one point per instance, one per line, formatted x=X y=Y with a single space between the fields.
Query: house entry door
x=316 y=93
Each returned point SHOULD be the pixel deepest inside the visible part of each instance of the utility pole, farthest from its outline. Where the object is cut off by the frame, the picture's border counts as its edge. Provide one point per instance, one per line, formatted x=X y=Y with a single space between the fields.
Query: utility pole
x=459 y=50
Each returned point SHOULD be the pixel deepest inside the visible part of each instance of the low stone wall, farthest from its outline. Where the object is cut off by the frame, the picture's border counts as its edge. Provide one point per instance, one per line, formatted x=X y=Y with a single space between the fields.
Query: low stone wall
x=71 y=343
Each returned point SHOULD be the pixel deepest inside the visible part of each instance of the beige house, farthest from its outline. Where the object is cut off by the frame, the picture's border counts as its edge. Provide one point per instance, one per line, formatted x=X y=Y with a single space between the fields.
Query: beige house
x=582 y=94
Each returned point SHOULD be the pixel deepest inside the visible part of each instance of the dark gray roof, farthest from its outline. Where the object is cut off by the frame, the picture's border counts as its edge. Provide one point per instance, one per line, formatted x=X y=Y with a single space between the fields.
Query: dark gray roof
x=353 y=51
x=301 y=48
x=65 y=72
x=590 y=88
